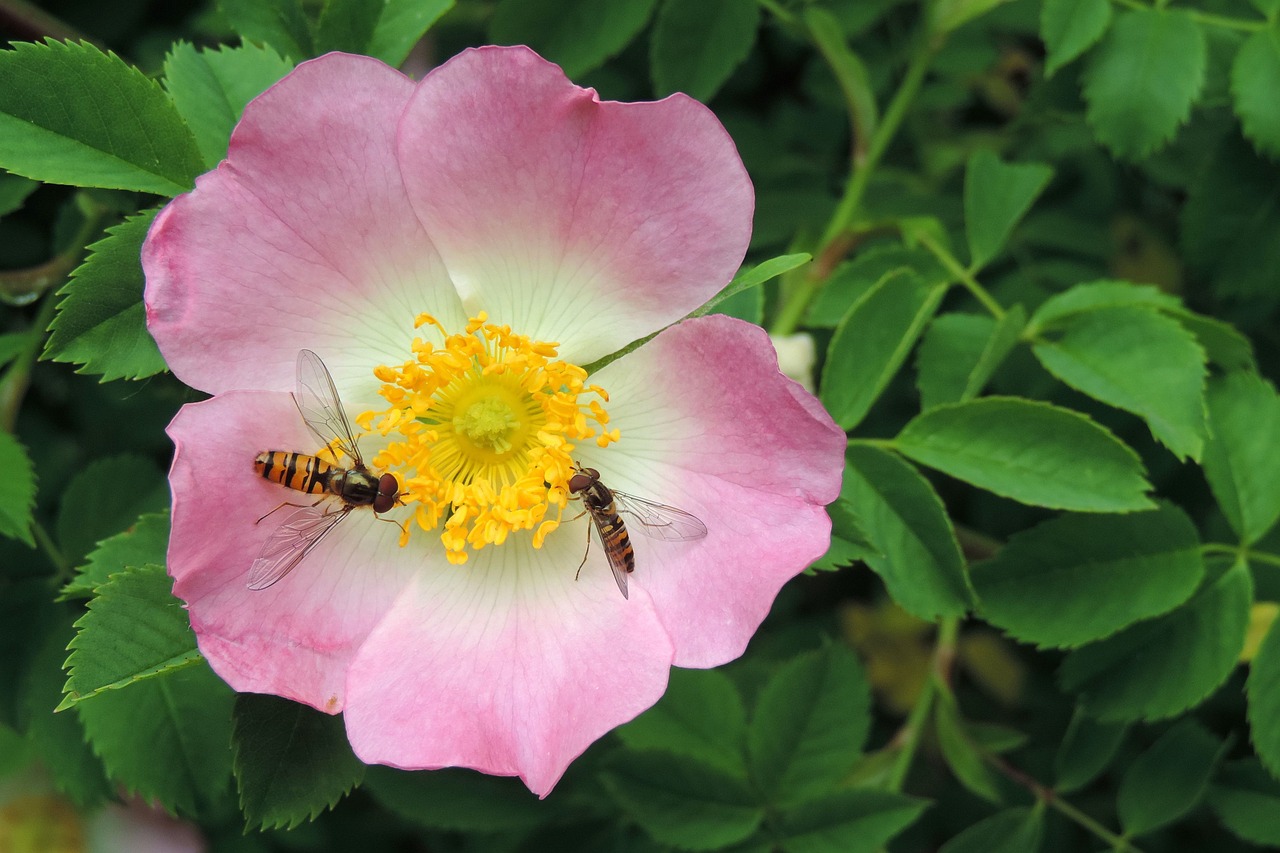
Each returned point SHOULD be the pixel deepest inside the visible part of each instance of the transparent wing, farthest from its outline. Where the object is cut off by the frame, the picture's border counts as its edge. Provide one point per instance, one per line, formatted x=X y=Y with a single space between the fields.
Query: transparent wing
x=656 y=520
x=321 y=409
x=292 y=541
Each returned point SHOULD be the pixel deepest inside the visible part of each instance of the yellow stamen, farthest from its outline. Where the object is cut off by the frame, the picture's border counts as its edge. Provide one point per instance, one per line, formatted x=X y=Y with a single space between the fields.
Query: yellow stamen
x=485 y=424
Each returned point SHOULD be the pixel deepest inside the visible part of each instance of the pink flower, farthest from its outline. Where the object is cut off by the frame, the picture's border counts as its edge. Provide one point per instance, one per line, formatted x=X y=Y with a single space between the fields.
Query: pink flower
x=494 y=193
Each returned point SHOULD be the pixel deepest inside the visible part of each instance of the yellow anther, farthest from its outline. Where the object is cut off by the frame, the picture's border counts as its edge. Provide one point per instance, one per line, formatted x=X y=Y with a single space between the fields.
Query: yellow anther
x=483 y=424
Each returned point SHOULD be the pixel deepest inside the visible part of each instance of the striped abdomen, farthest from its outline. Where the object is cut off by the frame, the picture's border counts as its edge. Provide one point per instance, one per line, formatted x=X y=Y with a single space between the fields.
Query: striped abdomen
x=297 y=471
x=614 y=537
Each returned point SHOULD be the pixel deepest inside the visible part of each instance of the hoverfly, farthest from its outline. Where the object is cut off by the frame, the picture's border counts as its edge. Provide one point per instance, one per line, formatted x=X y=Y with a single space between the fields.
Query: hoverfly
x=607 y=507
x=321 y=410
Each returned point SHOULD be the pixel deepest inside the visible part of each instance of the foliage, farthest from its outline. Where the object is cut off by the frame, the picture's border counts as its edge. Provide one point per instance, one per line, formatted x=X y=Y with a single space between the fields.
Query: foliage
x=1036 y=243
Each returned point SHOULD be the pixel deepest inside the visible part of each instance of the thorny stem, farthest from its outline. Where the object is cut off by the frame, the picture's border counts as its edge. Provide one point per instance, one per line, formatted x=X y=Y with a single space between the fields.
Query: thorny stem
x=836 y=240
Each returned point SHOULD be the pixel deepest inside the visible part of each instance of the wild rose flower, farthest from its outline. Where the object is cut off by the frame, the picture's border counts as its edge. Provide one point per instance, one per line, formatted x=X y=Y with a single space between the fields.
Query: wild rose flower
x=527 y=229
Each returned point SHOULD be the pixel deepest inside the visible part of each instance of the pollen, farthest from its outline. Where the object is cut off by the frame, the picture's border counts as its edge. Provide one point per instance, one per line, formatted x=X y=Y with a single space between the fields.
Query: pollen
x=484 y=422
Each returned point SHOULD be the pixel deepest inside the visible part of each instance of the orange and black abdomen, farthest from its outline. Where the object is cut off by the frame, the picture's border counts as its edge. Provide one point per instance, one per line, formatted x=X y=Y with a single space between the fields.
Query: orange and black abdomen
x=298 y=471
x=614 y=537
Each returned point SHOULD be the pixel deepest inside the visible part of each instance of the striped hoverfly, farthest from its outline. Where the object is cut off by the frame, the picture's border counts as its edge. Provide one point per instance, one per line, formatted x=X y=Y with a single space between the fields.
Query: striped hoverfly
x=356 y=486
x=607 y=507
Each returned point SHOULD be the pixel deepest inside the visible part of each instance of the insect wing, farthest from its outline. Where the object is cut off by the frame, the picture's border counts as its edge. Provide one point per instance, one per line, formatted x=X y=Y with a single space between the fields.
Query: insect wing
x=658 y=521
x=317 y=399
x=615 y=552
x=292 y=541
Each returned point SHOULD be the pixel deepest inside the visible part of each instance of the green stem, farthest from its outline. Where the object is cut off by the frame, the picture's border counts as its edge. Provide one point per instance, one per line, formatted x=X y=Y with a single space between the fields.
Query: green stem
x=907 y=740
x=16 y=381
x=29 y=21
x=1240 y=552
x=960 y=273
x=773 y=8
x=835 y=240
x=1207 y=18
x=1070 y=812
x=64 y=570
x=1049 y=797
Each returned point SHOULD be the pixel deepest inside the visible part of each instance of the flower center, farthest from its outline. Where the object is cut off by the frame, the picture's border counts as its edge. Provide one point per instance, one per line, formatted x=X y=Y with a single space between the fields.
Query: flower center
x=485 y=423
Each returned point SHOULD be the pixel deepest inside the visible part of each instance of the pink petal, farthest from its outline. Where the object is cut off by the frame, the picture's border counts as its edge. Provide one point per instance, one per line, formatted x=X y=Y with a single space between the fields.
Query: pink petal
x=506 y=665
x=573 y=220
x=294 y=639
x=709 y=425
x=302 y=237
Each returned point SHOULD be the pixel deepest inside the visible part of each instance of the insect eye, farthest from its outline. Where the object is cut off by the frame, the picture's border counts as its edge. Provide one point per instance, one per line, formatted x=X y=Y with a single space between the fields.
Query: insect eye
x=578 y=482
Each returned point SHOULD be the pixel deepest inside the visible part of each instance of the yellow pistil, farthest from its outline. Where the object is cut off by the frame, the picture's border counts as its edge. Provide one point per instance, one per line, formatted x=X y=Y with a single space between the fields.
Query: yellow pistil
x=486 y=422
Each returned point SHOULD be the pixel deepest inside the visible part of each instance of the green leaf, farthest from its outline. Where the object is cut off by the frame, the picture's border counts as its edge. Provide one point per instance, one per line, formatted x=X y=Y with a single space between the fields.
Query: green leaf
x=850 y=71
x=1240 y=461
x=1224 y=345
x=14 y=191
x=1143 y=80
x=12 y=345
x=165 y=738
x=846 y=524
x=682 y=802
x=59 y=739
x=211 y=87
x=948 y=15
x=960 y=352
x=1246 y=799
x=70 y=114
x=135 y=629
x=1163 y=666
x=577 y=35
x=1079 y=578
x=1086 y=750
x=696 y=44
x=1231 y=221
x=385 y=29
x=872 y=342
x=850 y=821
x=961 y=752
x=280 y=24
x=810 y=722
x=749 y=277
x=1032 y=452
x=1263 y=690
x=1255 y=79
x=996 y=197
x=1070 y=305
x=291 y=762
x=101 y=322
x=917 y=554
x=17 y=491
x=401 y=25
x=146 y=542
x=1137 y=360
x=1017 y=830
x=105 y=498
x=1167 y=780
x=459 y=800
x=851 y=279
x=701 y=716
x=1069 y=28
